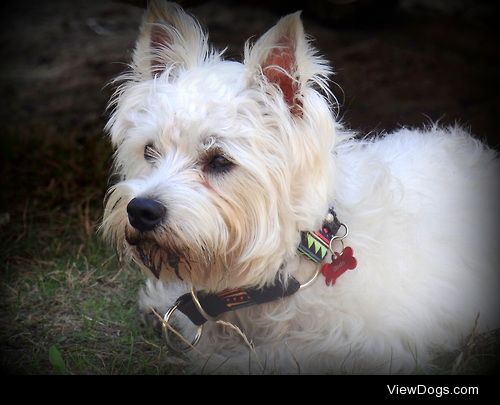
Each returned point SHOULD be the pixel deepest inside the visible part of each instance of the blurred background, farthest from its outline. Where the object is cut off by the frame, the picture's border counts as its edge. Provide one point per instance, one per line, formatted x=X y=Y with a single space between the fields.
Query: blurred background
x=67 y=304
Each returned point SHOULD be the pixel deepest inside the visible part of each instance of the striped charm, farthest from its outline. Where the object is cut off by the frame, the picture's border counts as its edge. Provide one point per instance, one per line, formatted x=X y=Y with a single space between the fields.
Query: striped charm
x=314 y=245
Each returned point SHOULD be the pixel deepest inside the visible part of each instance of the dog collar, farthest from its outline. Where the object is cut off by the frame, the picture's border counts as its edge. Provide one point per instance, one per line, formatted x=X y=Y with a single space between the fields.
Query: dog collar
x=201 y=307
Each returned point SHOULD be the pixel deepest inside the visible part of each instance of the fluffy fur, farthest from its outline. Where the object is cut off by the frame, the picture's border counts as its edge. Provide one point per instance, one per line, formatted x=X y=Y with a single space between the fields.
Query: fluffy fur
x=421 y=206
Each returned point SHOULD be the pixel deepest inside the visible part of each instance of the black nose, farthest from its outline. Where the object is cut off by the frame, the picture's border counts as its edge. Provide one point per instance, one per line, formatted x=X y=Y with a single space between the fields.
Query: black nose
x=145 y=214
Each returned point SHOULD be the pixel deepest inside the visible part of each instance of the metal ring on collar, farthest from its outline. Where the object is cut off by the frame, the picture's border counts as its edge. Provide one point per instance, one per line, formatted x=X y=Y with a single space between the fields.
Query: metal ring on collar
x=166 y=320
x=331 y=247
x=311 y=280
x=339 y=238
x=346 y=231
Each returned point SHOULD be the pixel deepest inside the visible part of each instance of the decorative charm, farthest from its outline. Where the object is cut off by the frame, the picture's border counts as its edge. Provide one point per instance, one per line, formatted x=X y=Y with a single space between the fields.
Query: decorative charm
x=342 y=262
x=314 y=245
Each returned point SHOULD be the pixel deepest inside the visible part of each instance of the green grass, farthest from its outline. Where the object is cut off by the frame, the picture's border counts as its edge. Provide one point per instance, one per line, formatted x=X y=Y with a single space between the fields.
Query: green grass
x=67 y=306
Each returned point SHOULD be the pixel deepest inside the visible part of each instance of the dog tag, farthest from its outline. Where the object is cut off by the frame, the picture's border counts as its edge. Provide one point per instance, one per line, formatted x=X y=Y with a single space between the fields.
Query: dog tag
x=342 y=262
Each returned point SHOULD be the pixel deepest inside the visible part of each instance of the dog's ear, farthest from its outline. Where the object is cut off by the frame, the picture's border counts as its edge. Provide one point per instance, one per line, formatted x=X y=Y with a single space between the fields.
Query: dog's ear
x=169 y=39
x=284 y=58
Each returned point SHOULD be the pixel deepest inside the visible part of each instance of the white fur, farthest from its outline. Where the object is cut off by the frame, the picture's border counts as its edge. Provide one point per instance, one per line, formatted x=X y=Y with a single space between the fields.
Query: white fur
x=421 y=206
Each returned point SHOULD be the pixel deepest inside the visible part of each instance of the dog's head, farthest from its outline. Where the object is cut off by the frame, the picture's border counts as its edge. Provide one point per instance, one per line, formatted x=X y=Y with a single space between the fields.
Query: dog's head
x=221 y=164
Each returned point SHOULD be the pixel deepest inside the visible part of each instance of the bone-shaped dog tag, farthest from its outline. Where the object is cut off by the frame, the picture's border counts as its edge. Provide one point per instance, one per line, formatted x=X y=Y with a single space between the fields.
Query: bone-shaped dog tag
x=342 y=262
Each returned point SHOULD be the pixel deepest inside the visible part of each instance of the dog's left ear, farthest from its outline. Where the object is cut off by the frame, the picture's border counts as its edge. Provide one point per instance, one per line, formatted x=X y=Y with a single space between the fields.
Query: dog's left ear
x=169 y=38
x=284 y=58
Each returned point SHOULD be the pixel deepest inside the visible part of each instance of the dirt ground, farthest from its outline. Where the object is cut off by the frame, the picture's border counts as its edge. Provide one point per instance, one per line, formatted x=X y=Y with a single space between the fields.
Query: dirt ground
x=397 y=62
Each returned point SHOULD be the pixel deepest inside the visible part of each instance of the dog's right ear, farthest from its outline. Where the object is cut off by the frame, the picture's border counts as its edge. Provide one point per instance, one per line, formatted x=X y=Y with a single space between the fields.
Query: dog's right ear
x=169 y=39
x=284 y=58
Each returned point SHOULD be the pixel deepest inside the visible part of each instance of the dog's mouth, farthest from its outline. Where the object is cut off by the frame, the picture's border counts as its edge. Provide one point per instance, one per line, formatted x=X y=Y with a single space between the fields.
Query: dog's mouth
x=153 y=255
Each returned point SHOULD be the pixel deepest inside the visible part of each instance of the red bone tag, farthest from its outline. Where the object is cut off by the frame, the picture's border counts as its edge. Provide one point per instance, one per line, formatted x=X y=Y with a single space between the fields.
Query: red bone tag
x=340 y=264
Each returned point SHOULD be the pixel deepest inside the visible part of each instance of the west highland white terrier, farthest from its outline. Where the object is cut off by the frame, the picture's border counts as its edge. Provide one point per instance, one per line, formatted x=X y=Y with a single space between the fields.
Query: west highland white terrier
x=276 y=240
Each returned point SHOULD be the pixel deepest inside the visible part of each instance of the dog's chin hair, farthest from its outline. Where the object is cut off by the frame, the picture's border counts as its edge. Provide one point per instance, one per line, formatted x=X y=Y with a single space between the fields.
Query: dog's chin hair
x=204 y=270
x=160 y=255
x=171 y=263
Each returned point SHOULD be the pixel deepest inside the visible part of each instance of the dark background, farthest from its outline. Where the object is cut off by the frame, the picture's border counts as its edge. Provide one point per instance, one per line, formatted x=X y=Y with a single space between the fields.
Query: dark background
x=405 y=62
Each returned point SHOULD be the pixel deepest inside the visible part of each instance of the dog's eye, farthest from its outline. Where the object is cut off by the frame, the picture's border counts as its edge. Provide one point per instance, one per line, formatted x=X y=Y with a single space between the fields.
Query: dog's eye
x=218 y=164
x=150 y=153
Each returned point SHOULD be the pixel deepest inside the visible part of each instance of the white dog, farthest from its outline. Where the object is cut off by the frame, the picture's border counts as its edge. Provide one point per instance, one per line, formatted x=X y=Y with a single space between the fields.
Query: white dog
x=235 y=177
